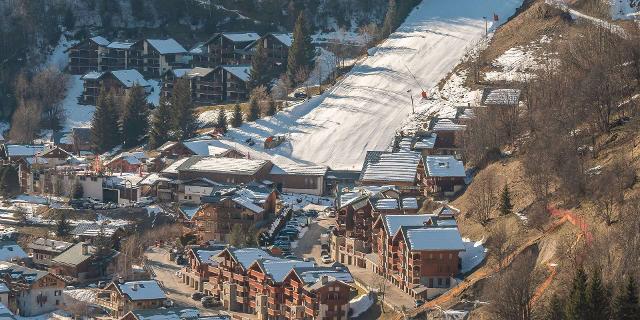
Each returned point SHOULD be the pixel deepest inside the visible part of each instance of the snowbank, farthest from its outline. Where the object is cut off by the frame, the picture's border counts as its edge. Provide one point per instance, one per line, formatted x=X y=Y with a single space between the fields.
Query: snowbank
x=77 y=115
x=360 y=305
x=473 y=255
x=59 y=57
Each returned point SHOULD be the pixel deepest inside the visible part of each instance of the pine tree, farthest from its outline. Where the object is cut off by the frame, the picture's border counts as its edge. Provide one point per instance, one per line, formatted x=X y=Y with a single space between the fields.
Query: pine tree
x=237 y=116
x=260 y=66
x=254 y=110
x=222 y=124
x=104 y=125
x=626 y=304
x=598 y=298
x=237 y=236
x=63 y=226
x=160 y=125
x=273 y=107
x=554 y=310
x=577 y=305
x=302 y=51
x=78 y=190
x=9 y=182
x=185 y=123
x=505 y=201
x=135 y=117
x=69 y=20
x=390 y=19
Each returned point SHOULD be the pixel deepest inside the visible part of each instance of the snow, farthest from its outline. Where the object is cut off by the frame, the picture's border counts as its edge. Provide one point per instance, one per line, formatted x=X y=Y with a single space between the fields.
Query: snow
x=325 y=65
x=228 y=165
x=622 y=9
x=364 y=110
x=435 y=239
x=285 y=38
x=77 y=116
x=398 y=166
x=444 y=166
x=520 y=63
x=10 y=251
x=154 y=95
x=297 y=201
x=247 y=203
x=166 y=46
x=59 y=58
x=142 y=290
x=241 y=36
x=120 y=45
x=473 y=255
x=130 y=78
x=562 y=5
x=360 y=305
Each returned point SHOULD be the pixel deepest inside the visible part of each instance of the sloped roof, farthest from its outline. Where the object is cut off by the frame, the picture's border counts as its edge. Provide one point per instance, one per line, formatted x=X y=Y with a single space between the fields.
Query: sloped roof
x=285 y=167
x=243 y=72
x=10 y=250
x=285 y=38
x=434 y=239
x=385 y=204
x=223 y=165
x=173 y=168
x=49 y=245
x=23 y=150
x=446 y=125
x=495 y=97
x=167 y=46
x=92 y=75
x=100 y=40
x=130 y=77
x=387 y=166
x=206 y=147
x=425 y=142
x=247 y=256
x=278 y=269
x=241 y=36
x=166 y=314
x=120 y=45
x=142 y=290
x=393 y=222
x=409 y=203
x=199 y=72
x=444 y=166
x=247 y=203
x=313 y=275
x=74 y=255
x=19 y=272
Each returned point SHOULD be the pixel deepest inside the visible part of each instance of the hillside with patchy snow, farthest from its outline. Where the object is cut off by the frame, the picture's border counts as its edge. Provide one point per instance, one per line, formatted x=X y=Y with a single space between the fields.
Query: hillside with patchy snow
x=365 y=109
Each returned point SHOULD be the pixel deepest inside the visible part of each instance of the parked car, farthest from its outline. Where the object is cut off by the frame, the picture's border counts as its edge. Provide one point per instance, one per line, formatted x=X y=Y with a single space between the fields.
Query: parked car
x=324 y=253
x=196 y=296
x=419 y=302
x=102 y=284
x=209 y=302
x=326 y=259
x=324 y=246
x=300 y=95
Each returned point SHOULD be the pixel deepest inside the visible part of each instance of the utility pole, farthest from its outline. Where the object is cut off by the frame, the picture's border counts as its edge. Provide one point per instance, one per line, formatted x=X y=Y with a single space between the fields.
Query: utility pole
x=413 y=110
x=486 y=27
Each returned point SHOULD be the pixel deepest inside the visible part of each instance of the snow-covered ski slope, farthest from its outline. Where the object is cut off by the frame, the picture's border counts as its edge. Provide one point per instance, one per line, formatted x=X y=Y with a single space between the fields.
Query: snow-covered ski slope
x=365 y=109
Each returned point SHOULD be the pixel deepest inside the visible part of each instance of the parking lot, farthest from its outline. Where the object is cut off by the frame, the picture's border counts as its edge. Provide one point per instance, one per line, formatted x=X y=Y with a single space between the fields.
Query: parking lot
x=309 y=246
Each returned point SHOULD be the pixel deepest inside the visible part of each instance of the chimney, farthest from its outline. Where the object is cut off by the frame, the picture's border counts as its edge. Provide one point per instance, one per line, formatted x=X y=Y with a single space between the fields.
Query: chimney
x=324 y=279
x=85 y=249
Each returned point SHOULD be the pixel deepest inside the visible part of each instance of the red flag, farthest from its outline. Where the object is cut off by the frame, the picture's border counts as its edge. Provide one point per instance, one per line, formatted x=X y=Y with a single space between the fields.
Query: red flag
x=495 y=17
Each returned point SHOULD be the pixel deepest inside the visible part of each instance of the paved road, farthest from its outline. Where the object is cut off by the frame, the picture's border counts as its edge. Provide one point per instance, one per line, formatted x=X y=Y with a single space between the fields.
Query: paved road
x=309 y=244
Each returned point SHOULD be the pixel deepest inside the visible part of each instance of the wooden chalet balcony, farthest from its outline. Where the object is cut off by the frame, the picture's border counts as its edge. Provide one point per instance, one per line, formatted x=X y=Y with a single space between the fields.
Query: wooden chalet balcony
x=239 y=277
x=310 y=311
x=107 y=303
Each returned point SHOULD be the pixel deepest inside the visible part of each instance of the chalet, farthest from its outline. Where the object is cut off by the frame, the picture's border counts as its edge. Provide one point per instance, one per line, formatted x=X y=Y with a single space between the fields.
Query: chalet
x=32 y=292
x=248 y=207
x=170 y=314
x=160 y=55
x=88 y=231
x=445 y=174
x=226 y=48
x=119 y=81
x=85 y=56
x=449 y=136
x=42 y=250
x=222 y=170
x=196 y=273
x=63 y=140
x=169 y=78
x=83 y=262
x=425 y=143
x=500 y=97
x=402 y=169
x=133 y=162
x=54 y=156
x=201 y=146
x=192 y=191
x=418 y=253
x=276 y=46
x=335 y=180
x=14 y=152
x=236 y=82
x=298 y=177
x=121 y=297
x=121 y=55
x=10 y=251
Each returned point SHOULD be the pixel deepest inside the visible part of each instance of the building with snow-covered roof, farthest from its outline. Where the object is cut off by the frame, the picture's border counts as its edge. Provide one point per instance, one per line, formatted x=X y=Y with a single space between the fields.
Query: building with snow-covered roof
x=121 y=297
x=236 y=79
x=122 y=55
x=85 y=55
x=276 y=46
x=295 y=177
x=42 y=250
x=33 y=292
x=248 y=207
x=500 y=97
x=83 y=263
x=403 y=169
x=10 y=251
x=161 y=55
x=199 y=258
x=445 y=174
x=224 y=170
x=118 y=81
x=170 y=314
x=225 y=48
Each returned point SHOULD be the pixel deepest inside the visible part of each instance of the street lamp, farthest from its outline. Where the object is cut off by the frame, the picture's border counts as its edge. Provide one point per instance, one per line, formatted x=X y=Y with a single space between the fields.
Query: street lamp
x=413 y=110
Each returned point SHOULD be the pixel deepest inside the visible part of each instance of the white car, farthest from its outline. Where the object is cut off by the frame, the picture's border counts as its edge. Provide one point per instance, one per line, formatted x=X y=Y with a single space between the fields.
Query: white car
x=326 y=259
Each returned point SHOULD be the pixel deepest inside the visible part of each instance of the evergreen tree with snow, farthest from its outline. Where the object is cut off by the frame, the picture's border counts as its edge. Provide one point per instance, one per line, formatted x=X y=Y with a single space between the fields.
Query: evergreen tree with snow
x=104 y=125
x=260 y=66
x=302 y=52
x=185 y=123
x=505 y=201
x=237 y=116
x=161 y=124
x=273 y=107
x=222 y=124
x=598 y=297
x=577 y=306
x=135 y=117
x=254 y=109
x=390 y=19
x=625 y=306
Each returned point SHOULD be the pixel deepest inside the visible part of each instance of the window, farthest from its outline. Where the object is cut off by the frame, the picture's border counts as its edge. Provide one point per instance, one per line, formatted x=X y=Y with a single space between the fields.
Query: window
x=94 y=179
x=57 y=302
x=447 y=282
x=57 y=293
x=439 y=282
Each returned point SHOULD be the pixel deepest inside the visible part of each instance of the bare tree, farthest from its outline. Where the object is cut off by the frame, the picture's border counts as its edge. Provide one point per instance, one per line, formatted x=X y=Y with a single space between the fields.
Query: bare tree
x=499 y=245
x=483 y=198
x=510 y=292
x=25 y=123
x=49 y=87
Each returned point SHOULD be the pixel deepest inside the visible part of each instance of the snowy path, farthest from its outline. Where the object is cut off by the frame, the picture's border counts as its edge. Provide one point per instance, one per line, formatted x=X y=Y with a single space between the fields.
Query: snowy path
x=364 y=110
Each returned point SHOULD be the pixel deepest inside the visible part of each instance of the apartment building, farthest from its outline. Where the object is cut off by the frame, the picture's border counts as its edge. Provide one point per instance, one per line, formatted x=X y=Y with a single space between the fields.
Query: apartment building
x=122 y=297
